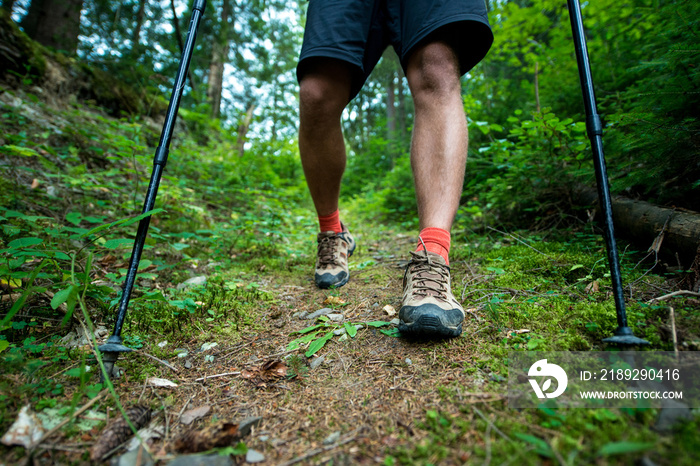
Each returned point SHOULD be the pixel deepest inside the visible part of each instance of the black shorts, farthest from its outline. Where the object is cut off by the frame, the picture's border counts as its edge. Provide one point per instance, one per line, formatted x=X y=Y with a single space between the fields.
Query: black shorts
x=358 y=31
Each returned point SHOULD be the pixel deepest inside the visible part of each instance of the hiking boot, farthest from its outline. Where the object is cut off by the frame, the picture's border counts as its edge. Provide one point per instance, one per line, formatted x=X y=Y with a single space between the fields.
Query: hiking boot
x=332 y=260
x=429 y=308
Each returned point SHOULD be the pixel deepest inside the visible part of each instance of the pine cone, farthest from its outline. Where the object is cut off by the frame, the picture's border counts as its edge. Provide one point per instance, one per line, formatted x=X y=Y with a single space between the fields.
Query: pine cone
x=221 y=434
x=118 y=431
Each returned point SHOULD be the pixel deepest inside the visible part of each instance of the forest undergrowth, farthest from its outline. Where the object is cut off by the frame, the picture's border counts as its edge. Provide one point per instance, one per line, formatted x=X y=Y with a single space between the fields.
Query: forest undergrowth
x=224 y=294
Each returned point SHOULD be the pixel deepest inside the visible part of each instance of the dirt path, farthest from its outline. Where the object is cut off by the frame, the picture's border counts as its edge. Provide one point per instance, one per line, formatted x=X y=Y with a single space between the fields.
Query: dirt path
x=367 y=393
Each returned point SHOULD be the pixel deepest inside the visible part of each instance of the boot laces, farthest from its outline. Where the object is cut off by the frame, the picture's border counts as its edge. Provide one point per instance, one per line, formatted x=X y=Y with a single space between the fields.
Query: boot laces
x=429 y=278
x=327 y=251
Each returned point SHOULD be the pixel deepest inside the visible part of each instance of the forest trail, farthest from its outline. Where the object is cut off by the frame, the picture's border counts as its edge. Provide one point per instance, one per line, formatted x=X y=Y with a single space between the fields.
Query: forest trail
x=354 y=399
x=377 y=397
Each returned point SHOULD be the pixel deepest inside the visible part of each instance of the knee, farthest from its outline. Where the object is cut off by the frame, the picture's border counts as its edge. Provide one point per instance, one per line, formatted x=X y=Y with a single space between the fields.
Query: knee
x=433 y=73
x=321 y=98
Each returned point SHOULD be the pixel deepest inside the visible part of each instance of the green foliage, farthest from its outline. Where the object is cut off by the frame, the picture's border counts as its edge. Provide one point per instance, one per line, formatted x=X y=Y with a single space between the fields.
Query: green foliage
x=315 y=337
x=531 y=170
x=654 y=125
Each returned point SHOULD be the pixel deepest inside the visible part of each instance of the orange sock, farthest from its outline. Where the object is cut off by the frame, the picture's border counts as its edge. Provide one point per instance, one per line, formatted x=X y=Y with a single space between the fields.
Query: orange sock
x=330 y=222
x=436 y=240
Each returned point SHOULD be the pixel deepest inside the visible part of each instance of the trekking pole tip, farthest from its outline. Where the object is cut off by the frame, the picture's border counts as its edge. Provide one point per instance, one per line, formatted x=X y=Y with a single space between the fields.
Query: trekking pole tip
x=110 y=353
x=624 y=337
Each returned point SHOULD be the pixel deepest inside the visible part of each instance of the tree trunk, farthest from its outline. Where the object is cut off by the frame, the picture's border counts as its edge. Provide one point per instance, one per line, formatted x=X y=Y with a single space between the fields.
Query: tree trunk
x=243 y=129
x=219 y=57
x=178 y=36
x=537 y=87
x=402 y=111
x=391 y=107
x=670 y=232
x=54 y=23
x=136 y=36
x=176 y=26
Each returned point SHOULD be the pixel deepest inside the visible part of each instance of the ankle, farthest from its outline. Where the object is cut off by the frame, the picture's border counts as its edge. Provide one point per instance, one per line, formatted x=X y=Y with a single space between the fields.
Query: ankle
x=330 y=222
x=436 y=240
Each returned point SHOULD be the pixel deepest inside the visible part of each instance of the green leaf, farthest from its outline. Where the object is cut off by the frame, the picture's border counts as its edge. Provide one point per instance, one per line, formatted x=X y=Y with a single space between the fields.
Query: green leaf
x=24 y=242
x=75 y=372
x=377 y=323
x=392 y=332
x=4 y=344
x=124 y=221
x=18 y=150
x=621 y=448
x=179 y=246
x=541 y=447
x=318 y=344
x=62 y=296
x=117 y=243
x=350 y=329
x=294 y=344
x=74 y=218
x=20 y=302
x=310 y=328
x=534 y=343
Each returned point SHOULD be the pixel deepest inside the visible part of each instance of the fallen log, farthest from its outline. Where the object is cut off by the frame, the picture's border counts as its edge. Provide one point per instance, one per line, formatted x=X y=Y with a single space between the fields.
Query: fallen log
x=669 y=232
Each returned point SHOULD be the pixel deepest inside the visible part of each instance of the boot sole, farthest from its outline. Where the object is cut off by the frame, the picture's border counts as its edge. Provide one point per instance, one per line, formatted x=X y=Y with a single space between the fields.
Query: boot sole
x=429 y=326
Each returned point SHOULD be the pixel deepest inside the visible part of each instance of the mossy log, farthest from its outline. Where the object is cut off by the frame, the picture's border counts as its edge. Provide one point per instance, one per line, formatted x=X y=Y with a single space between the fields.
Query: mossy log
x=643 y=223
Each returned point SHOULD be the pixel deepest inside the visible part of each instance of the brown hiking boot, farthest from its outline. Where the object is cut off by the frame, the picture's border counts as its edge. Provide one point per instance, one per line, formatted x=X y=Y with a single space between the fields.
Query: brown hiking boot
x=429 y=308
x=334 y=249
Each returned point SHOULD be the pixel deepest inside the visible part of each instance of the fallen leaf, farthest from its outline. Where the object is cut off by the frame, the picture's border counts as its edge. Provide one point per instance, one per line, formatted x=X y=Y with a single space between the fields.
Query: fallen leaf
x=191 y=415
x=26 y=429
x=274 y=368
x=35 y=183
x=333 y=300
x=269 y=370
x=148 y=435
x=208 y=346
x=592 y=287
x=158 y=382
x=390 y=311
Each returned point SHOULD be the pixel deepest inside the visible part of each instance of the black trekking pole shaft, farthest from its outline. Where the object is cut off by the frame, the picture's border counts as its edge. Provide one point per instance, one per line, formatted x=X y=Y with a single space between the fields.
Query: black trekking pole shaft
x=114 y=344
x=594 y=129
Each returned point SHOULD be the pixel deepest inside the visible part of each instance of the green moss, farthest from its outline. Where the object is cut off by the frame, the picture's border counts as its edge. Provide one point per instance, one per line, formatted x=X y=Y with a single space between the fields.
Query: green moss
x=31 y=60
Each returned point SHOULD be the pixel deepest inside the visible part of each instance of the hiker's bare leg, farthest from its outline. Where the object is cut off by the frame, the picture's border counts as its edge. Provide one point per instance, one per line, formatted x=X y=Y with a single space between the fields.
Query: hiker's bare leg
x=439 y=145
x=323 y=94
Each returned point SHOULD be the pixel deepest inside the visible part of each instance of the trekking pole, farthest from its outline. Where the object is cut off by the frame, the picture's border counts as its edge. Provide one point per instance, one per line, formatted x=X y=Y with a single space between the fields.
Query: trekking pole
x=623 y=334
x=114 y=345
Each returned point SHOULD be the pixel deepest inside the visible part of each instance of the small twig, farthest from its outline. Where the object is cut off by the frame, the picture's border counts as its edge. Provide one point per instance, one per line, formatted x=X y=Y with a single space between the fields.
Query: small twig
x=488 y=421
x=216 y=376
x=673 y=332
x=518 y=240
x=316 y=451
x=239 y=348
x=159 y=360
x=47 y=446
x=409 y=390
x=674 y=294
x=487 y=461
x=63 y=370
x=270 y=356
x=145 y=384
x=68 y=419
x=179 y=415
